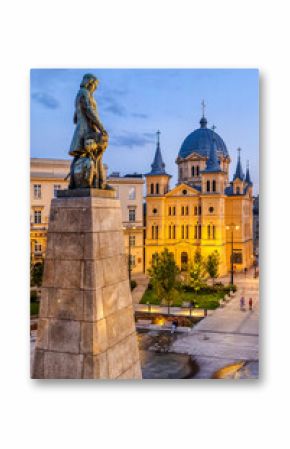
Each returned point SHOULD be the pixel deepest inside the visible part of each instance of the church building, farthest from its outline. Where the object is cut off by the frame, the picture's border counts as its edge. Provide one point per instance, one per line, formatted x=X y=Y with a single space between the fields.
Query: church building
x=205 y=211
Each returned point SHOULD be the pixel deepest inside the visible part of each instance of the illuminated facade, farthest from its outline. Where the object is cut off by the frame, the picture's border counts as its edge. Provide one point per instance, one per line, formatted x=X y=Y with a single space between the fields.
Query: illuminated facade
x=204 y=208
x=48 y=175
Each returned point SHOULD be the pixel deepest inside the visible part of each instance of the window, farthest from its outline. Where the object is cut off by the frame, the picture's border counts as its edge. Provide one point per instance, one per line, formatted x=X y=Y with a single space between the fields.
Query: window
x=37 y=191
x=214 y=185
x=208 y=186
x=169 y=210
x=174 y=210
x=195 y=231
x=174 y=233
x=132 y=193
x=192 y=170
x=132 y=214
x=197 y=170
x=154 y=211
x=56 y=187
x=154 y=232
x=157 y=189
x=184 y=192
x=186 y=210
x=186 y=231
x=211 y=209
x=132 y=240
x=238 y=190
x=132 y=260
x=199 y=210
x=169 y=232
x=213 y=232
x=180 y=172
x=184 y=260
x=37 y=216
x=199 y=231
x=37 y=247
x=182 y=231
x=195 y=210
x=182 y=210
x=208 y=231
x=151 y=189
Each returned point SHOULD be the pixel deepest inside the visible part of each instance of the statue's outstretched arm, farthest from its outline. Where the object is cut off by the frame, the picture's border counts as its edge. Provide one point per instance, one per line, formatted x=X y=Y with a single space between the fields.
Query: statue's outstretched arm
x=90 y=113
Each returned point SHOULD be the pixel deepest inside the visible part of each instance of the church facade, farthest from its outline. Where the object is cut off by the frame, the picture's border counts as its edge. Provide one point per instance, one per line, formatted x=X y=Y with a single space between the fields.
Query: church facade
x=205 y=211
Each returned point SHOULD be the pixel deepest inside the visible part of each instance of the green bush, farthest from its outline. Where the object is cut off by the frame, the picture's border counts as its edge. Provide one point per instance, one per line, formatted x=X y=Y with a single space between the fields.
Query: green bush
x=34 y=308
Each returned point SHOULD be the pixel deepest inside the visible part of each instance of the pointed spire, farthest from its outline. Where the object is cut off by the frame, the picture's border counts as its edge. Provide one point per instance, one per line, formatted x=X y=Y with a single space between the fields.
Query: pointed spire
x=239 y=171
x=212 y=164
x=248 y=178
x=158 y=166
x=203 y=120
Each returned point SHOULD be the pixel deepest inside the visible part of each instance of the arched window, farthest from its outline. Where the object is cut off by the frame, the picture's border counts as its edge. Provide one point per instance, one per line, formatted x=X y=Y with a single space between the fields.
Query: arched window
x=208 y=231
x=192 y=170
x=213 y=232
x=197 y=170
x=184 y=260
x=214 y=185
x=208 y=186
x=151 y=189
x=157 y=189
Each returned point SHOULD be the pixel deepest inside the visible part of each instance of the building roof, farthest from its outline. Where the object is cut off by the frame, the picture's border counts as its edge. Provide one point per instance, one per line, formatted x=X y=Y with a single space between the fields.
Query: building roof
x=212 y=163
x=199 y=141
x=239 y=174
x=248 y=177
x=158 y=166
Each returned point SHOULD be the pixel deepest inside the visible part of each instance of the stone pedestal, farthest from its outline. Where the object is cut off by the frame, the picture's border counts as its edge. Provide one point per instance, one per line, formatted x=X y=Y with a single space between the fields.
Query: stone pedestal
x=86 y=327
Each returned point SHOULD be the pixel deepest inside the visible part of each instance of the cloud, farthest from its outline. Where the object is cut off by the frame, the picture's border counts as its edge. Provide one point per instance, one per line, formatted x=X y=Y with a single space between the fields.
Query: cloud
x=45 y=100
x=131 y=140
x=139 y=115
x=110 y=104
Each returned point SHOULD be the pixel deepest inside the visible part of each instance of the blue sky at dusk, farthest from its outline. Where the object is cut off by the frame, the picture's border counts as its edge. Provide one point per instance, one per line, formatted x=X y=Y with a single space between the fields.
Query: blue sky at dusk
x=134 y=104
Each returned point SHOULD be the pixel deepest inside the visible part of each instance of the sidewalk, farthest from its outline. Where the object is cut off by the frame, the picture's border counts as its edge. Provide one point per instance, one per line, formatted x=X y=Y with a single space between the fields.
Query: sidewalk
x=226 y=336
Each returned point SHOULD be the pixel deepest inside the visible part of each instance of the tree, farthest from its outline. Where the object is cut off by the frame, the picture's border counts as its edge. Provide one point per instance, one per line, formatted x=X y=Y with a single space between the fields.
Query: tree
x=212 y=265
x=36 y=273
x=163 y=274
x=197 y=272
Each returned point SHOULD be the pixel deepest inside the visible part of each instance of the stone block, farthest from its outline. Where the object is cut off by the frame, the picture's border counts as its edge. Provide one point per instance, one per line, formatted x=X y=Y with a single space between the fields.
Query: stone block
x=120 y=325
x=93 y=277
x=42 y=333
x=68 y=274
x=111 y=243
x=91 y=245
x=95 y=366
x=62 y=365
x=70 y=219
x=49 y=254
x=133 y=373
x=125 y=297
x=66 y=304
x=64 y=336
x=122 y=356
x=93 y=305
x=110 y=219
x=44 y=300
x=38 y=365
x=111 y=299
x=68 y=245
x=93 y=337
x=115 y=269
x=48 y=273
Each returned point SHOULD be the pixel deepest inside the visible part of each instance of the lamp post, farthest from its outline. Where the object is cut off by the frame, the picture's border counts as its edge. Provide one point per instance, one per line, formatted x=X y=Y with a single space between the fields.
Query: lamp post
x=232 y=227
x=129 y=250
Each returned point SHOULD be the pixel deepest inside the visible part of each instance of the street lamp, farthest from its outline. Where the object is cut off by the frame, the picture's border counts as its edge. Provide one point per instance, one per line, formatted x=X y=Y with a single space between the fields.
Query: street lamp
x=232 y=227
x=129 y=250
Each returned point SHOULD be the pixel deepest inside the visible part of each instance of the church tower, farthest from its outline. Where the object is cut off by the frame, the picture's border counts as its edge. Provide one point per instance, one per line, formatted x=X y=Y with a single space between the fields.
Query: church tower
x=238 y=180
x=157 y=181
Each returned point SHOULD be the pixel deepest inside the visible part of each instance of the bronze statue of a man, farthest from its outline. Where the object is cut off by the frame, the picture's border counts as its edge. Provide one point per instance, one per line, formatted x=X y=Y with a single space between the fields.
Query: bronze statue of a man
x=90 y=139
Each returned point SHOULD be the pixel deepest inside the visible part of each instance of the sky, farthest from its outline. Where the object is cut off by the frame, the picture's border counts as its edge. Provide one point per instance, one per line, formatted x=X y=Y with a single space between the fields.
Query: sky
x=134 y=103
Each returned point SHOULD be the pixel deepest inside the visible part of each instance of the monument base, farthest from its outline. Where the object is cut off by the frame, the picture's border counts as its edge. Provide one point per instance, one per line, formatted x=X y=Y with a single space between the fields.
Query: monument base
x=86 y=327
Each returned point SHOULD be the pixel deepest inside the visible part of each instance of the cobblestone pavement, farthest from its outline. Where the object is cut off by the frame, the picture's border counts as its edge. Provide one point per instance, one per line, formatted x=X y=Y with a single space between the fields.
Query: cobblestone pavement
x=228 y=335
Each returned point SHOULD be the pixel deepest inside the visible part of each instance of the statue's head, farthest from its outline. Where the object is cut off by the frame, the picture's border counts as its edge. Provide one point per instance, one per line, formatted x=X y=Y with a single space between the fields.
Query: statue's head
x=90 y=82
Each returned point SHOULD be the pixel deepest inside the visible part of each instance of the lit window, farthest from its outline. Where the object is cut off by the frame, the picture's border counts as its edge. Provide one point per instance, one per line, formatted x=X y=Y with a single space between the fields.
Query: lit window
x=132 y=215
x=132 y=240
x=37 y=191
x=56 y=187
x=37 y=216
x=37 y=247
x=132 y=193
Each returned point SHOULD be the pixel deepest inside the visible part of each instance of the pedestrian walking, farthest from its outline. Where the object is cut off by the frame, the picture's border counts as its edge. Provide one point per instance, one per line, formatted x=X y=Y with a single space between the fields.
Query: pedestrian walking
x=250 y=304
x=242 y=303
x=173 y=326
